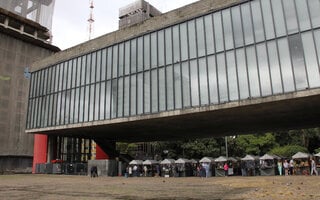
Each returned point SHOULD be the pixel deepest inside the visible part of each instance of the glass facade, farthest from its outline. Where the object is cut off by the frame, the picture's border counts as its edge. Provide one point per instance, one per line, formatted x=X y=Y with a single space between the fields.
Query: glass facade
x=255 y=49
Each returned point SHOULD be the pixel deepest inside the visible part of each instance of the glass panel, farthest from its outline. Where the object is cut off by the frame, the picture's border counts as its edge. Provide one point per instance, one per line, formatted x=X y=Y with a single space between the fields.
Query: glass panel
x=114 y=99
x=253 y=72
x=102 y=100
x=177 y=86
x=274 y=68
x=115 y=62
x=162 y=90
x=278 y=18
x=103 y=64
x=247 y=23
x=81 y=104
x=297 y=57
x=186 y=84
x=140 y=94
x=303 y=15
x=121 y=59
x=58 y=111
x=311 y=60
x=133 y=56
x=268 y=19
x=213 y=86
x=264 y=70
x=133 y=97
x=209 y=34
x=57 y=81
x=147 y=92
x=192 y=39
x=237 y=26
x=154 y=50
x=218 y=32
x=257 y=21
x=63 y=110
x=227 y=27
x=184 y=41
x=109 y=63
x=242 y=74
x=314 y=7
x=194 y=83
x=168 y=41
x=317 y=43
x=76 y=105
x=126 y=96
x=200 y=37
x=169 y=77
x=97 y=102
x=154 y=90
x=232 y=76
x=203 y=79
x=146 y=53
x=222 y=78
x=65 y=78
x=120 y=97
x=93 y=68
x=140 y=54
x=67 y=107
x=86 y=103
x=176 y=44
x=88 y=68
x=161 y=48
x=108 y=100
x=286 y=67
x=290 y=16
x=91 y=103
x=127 y=58
x=61 y=79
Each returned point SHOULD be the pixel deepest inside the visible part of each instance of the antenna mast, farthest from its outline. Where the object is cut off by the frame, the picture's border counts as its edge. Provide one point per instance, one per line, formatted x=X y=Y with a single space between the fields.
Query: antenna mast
x=90 y=20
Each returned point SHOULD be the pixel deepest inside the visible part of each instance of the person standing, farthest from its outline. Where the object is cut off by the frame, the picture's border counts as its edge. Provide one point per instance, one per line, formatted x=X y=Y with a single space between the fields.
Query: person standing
x=286 y=167
x=226 y=169
x=313 y=167
x=291 y=165
x=279 y=167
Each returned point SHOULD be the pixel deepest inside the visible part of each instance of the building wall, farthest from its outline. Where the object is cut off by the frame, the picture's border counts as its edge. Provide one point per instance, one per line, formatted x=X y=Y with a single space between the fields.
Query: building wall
x=255 y=49
x=16 y=147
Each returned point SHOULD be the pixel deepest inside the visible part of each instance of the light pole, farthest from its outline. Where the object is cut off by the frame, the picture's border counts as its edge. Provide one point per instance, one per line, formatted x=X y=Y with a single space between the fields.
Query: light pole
x=226 y=141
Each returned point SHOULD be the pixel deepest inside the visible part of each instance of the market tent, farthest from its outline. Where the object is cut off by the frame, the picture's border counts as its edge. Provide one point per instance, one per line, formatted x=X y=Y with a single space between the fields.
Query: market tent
x=136 y=162
x=221 y=159
x=318 y=154
x=193 y=161
x=232 y=159
x=182 y=161
x=300 y=155
x=267 y=157
x=150 y=162
x=206 y=160
x=167 y=161
x=248 y=157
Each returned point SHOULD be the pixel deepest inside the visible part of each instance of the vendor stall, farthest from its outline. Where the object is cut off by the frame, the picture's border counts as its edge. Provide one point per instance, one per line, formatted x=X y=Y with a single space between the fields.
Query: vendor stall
x=268 y=165
x=219 y=163
x=250 y=164
x=301 y=163
x=150 y=167
x=136 y=167
x=317 y=160
x=183 y=167
x=167 y=167
x=207 y=167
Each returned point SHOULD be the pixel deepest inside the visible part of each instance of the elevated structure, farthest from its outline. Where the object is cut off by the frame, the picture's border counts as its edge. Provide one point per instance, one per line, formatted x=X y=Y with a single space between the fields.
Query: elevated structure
x=211 y=68
x=136 y=13
x=22 y=42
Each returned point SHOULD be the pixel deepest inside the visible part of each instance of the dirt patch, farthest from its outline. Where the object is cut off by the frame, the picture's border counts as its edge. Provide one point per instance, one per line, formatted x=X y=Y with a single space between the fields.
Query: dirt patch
x=16 y=187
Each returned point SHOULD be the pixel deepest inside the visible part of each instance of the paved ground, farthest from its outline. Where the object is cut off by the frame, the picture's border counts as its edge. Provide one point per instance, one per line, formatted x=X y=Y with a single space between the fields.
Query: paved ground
x=16 y=187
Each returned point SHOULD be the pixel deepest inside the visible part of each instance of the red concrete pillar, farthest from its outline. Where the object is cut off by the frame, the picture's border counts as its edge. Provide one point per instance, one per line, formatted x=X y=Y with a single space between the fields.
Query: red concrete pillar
x=39 y=150
x=100 y=154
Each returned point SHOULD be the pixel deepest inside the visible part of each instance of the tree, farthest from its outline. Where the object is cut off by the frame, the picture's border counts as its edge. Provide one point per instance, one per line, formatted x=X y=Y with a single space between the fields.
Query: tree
x=288 y=150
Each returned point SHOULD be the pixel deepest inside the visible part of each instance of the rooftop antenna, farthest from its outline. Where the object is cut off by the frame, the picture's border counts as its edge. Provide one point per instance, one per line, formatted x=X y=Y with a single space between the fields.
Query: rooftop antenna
x=91 y=20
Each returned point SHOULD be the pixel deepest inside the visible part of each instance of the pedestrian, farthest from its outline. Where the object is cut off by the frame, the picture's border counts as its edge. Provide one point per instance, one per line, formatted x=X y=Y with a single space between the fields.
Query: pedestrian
x=226 y=169
x=279 y=167
x=286 y=167
x=243 y=168
x=130 y=171
x=291 y=165
x=313 y=167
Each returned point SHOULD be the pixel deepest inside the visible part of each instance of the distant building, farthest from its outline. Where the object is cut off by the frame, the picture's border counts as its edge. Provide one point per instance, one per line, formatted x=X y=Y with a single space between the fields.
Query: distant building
x=22 y=42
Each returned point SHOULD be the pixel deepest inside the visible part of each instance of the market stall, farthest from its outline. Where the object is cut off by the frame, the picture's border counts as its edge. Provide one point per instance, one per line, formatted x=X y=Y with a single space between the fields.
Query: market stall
x=251 y=165
x=301 y=163
x=136 y=167
x=150 y=167
x=207 y=167
x=268 y=165
x=167 y=167
x=219 y=163
x=183 y=167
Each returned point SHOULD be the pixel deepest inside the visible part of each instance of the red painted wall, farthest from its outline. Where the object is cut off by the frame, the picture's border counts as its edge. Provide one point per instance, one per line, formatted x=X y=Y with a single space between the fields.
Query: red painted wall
x=100 y=154
x=39 y=150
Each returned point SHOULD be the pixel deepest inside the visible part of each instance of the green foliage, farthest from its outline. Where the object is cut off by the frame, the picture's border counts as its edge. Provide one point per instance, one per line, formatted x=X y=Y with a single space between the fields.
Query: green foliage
x=125 y=148
x=288 y=150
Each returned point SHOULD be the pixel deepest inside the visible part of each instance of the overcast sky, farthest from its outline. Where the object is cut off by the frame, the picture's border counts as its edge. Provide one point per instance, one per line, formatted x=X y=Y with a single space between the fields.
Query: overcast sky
x=70 y=25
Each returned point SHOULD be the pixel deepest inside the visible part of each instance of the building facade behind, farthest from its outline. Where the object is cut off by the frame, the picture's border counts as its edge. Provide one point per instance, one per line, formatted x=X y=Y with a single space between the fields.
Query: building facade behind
x=22 y=42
